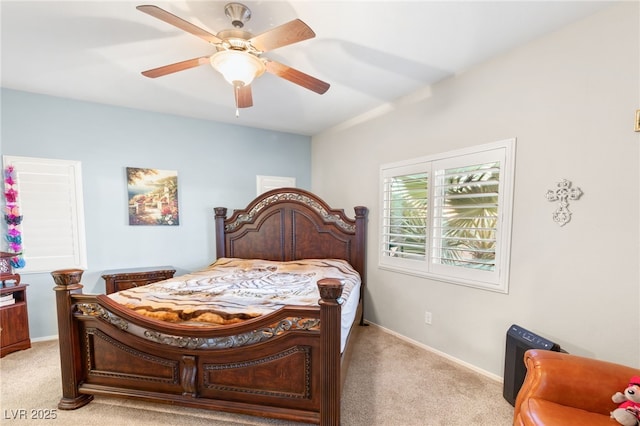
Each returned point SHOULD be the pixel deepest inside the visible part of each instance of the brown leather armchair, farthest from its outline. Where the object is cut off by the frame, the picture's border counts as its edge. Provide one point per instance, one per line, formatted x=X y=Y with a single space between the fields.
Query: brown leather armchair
x=562 y=389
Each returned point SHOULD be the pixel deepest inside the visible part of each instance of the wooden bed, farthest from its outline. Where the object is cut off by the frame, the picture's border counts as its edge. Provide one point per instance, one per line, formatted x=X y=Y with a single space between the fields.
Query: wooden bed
x=287 y=364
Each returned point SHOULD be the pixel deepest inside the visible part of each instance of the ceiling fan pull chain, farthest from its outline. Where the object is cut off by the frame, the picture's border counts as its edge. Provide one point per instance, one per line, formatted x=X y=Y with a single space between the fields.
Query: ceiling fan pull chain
x=236 y=89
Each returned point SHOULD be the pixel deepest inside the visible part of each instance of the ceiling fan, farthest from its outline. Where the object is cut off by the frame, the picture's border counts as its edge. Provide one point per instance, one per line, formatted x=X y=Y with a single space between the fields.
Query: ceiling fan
x=238 y=54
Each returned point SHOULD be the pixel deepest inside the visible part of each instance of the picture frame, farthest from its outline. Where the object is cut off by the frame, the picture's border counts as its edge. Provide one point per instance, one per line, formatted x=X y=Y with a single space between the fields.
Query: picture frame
x=152 y=197
x=637 y=126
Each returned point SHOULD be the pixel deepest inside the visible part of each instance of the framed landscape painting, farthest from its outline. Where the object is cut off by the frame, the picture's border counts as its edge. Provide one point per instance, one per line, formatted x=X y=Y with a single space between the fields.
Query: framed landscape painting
x=153 y=197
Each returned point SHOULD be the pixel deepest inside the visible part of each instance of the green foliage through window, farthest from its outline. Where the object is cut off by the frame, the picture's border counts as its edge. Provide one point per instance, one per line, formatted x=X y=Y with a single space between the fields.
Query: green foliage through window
x=466 y=218
x=406 y=197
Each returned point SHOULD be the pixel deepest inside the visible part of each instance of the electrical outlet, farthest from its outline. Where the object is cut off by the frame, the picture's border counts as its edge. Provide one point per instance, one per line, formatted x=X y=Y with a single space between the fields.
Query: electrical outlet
x=427 y=317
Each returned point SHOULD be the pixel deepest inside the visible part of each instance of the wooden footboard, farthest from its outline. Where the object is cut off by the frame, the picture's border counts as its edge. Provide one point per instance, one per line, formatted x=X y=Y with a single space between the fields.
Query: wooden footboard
x=284 y=365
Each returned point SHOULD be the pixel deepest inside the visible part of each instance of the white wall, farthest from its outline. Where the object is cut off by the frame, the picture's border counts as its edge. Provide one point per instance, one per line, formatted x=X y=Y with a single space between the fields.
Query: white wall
x=569 y=99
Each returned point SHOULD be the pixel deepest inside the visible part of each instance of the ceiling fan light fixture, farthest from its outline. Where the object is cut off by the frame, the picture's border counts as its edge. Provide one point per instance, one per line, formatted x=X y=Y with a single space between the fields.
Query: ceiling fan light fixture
x=237 y=67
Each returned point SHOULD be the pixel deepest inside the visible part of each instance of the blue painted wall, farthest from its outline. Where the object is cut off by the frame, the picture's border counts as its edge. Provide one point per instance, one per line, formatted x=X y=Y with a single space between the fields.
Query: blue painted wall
x=216 y=163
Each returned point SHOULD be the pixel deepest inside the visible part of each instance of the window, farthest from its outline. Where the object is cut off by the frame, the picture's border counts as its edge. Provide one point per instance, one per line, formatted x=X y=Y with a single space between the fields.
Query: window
x=448 y=216
x=51 y=203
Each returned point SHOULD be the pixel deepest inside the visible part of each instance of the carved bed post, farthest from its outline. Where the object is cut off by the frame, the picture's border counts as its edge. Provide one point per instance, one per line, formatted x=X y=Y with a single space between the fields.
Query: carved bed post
x=221 y=215
x=67 y=282
x=330 y=323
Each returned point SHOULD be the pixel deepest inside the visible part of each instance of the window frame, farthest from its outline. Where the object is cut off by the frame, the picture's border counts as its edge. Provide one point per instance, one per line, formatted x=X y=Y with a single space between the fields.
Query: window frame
x=496 y=280
x=32 y=174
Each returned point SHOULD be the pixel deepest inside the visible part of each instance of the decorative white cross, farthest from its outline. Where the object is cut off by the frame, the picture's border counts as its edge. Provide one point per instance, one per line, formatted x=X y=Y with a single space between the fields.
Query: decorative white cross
x=564 y=192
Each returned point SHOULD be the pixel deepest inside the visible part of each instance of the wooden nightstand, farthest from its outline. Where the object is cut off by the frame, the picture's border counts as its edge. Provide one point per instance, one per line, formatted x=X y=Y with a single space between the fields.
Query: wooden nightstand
x=14 y=320
x=122 y=279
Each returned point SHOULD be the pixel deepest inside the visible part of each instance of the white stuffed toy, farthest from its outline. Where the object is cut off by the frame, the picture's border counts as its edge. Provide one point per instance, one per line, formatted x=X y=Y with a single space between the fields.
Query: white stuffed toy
x=628 y=412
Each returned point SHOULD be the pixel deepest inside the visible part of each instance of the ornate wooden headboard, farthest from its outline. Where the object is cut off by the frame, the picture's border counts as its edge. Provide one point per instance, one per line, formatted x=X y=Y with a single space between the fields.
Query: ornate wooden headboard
x=291 y=224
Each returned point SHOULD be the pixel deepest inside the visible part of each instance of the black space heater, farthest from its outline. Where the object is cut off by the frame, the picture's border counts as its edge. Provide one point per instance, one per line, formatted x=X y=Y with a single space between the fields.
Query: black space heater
x=519 y=340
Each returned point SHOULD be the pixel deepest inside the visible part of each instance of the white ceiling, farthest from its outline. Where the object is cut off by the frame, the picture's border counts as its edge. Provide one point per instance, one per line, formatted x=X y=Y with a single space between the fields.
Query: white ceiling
x=373 y=53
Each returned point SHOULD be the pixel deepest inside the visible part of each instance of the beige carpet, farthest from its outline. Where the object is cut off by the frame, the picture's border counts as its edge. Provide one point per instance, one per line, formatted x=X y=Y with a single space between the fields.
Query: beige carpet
x=390 y=382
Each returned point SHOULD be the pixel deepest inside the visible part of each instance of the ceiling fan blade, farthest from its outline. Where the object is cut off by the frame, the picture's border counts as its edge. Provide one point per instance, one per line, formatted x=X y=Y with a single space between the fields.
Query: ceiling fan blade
x=289 y=33
x=178 y=66
x=297 y=77
x=172 y=19
x=244 y=98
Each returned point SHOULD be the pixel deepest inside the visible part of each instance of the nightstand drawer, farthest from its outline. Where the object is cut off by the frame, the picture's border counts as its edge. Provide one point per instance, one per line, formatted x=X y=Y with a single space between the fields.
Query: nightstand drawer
x=123 y=279
x=14 y=319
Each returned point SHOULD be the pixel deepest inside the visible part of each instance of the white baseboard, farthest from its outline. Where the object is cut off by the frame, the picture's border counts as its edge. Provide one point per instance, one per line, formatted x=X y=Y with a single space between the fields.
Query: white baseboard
x=439 y=353
x=45 y=338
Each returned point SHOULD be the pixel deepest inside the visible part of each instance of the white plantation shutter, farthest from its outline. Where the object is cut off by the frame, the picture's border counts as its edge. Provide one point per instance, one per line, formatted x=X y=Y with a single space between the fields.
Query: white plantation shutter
x=405 y=216
x=462 y=231
x=465 y=220
x=51 y=203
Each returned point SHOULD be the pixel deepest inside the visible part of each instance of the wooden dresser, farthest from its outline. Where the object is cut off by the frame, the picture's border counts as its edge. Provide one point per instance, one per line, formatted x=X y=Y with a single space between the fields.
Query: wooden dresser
x=122 y=279
x=14 y=320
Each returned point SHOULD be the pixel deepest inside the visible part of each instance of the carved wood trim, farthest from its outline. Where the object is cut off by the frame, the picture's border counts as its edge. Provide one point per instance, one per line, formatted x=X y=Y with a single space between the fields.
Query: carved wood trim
x=328 y=216
x=189 y=374
x=257 y=335
x=306 y=394
x=90 y=356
